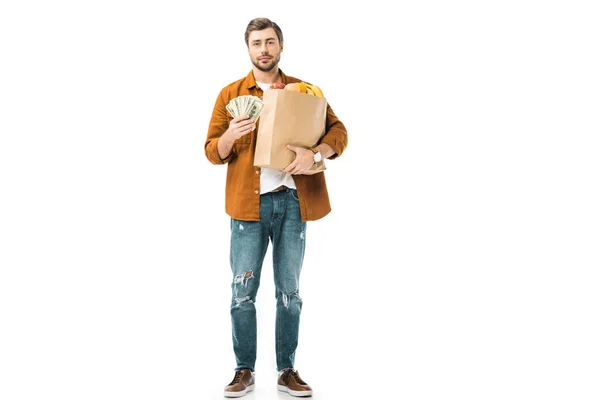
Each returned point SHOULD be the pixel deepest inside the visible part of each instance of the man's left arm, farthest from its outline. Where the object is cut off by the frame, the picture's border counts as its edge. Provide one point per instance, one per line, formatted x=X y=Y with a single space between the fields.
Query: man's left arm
x=335 y=140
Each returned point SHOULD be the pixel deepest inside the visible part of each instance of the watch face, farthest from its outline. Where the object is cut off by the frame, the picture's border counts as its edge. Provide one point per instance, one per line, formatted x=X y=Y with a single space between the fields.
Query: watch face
x=317 y=157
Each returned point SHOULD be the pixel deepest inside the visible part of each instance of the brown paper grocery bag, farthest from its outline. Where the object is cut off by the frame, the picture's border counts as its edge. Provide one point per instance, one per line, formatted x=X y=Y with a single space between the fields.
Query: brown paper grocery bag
x=289 y=118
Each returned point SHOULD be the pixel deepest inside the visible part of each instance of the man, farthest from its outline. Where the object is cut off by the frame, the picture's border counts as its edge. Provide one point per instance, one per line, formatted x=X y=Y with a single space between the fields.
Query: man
x=266 y=204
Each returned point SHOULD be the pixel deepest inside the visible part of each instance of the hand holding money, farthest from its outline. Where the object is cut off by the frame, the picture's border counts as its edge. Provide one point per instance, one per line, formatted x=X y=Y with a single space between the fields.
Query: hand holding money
x=249 y=105
x=239 y=126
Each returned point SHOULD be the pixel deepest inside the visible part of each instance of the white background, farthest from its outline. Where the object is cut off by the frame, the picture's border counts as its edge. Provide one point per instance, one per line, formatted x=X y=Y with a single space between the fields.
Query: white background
x=461 y=257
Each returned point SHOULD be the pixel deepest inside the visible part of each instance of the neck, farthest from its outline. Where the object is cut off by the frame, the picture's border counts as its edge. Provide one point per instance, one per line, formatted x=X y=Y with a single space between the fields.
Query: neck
x=267 y=77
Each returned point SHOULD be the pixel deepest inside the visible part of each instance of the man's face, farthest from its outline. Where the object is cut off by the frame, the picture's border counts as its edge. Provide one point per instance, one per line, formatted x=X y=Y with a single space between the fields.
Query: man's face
x=264 y=49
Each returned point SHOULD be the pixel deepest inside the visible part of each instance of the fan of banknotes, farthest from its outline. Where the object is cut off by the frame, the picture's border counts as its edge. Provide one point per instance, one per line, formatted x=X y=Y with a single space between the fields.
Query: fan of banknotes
x=249 y=105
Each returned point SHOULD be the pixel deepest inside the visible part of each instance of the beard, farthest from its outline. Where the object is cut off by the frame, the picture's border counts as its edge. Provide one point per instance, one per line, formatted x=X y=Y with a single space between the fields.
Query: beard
x=268 y=65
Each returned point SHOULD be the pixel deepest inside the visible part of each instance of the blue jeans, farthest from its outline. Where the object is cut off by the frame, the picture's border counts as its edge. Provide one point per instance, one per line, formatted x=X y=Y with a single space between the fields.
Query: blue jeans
x=280 y=223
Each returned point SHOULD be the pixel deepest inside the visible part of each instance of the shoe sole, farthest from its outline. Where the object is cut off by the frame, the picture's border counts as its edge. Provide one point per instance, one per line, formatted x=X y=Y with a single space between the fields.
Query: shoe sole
x=296 y=393
x=239 y=394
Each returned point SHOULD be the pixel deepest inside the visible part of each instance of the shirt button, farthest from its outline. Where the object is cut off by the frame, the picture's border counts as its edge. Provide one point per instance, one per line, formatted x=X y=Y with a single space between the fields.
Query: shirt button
x=258 y=172
x=256 y=191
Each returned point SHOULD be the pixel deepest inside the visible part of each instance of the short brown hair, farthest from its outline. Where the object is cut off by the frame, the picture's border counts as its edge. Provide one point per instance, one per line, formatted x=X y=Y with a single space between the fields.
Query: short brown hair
x=258 y=24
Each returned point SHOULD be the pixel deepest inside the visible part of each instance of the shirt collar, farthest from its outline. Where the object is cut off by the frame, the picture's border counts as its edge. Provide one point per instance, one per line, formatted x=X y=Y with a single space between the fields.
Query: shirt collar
x=250 y=81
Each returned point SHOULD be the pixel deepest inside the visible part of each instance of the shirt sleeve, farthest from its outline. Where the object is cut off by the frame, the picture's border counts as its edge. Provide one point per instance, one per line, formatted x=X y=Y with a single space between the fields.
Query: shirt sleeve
x=336 y=135
x=219 y=123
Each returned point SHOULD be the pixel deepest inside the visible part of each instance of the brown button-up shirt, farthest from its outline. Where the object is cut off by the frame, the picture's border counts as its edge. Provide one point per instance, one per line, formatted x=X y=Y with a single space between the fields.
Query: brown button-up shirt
x=242 y=189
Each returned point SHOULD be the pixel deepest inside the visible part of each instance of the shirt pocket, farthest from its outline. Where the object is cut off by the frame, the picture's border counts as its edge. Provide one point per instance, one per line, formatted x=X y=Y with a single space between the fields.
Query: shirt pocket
x=242 y=144
x=244 y=140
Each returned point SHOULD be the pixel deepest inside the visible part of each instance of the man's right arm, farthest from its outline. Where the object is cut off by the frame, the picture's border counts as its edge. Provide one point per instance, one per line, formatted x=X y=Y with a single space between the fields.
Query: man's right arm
x=222 y=134
x=219 y=123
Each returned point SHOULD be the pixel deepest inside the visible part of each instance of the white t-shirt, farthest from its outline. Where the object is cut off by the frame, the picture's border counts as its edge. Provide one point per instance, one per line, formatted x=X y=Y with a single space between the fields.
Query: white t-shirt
x=272 y=178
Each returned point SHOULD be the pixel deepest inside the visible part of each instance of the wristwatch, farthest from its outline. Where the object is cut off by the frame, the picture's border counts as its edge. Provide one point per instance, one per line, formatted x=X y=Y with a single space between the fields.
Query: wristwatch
x=316 y=155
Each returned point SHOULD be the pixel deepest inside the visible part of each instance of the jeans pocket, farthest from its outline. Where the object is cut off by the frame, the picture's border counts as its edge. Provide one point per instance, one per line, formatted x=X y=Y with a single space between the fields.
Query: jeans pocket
x=294 y=194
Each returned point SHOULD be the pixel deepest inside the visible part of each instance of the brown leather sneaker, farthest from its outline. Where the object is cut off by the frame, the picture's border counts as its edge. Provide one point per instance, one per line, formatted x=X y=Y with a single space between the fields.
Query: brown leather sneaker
x=242 y=383
x=289 y=381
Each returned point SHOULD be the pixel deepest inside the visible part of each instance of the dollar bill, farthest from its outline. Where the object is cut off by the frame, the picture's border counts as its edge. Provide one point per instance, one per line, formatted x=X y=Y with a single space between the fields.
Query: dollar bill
x=236 y=105
x=239 y=101
x=231 y=110
x=255 y=110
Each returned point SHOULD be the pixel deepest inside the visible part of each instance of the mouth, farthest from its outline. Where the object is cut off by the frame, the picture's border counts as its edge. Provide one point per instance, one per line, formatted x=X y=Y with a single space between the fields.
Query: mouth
x=264 y=58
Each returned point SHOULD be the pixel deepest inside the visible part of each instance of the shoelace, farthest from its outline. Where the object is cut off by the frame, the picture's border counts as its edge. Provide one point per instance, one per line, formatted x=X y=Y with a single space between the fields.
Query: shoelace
x=237 y=377
x=298 y=379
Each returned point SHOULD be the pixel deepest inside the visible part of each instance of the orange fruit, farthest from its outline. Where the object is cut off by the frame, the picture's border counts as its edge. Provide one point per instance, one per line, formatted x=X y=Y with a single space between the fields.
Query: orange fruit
x=302 y=87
